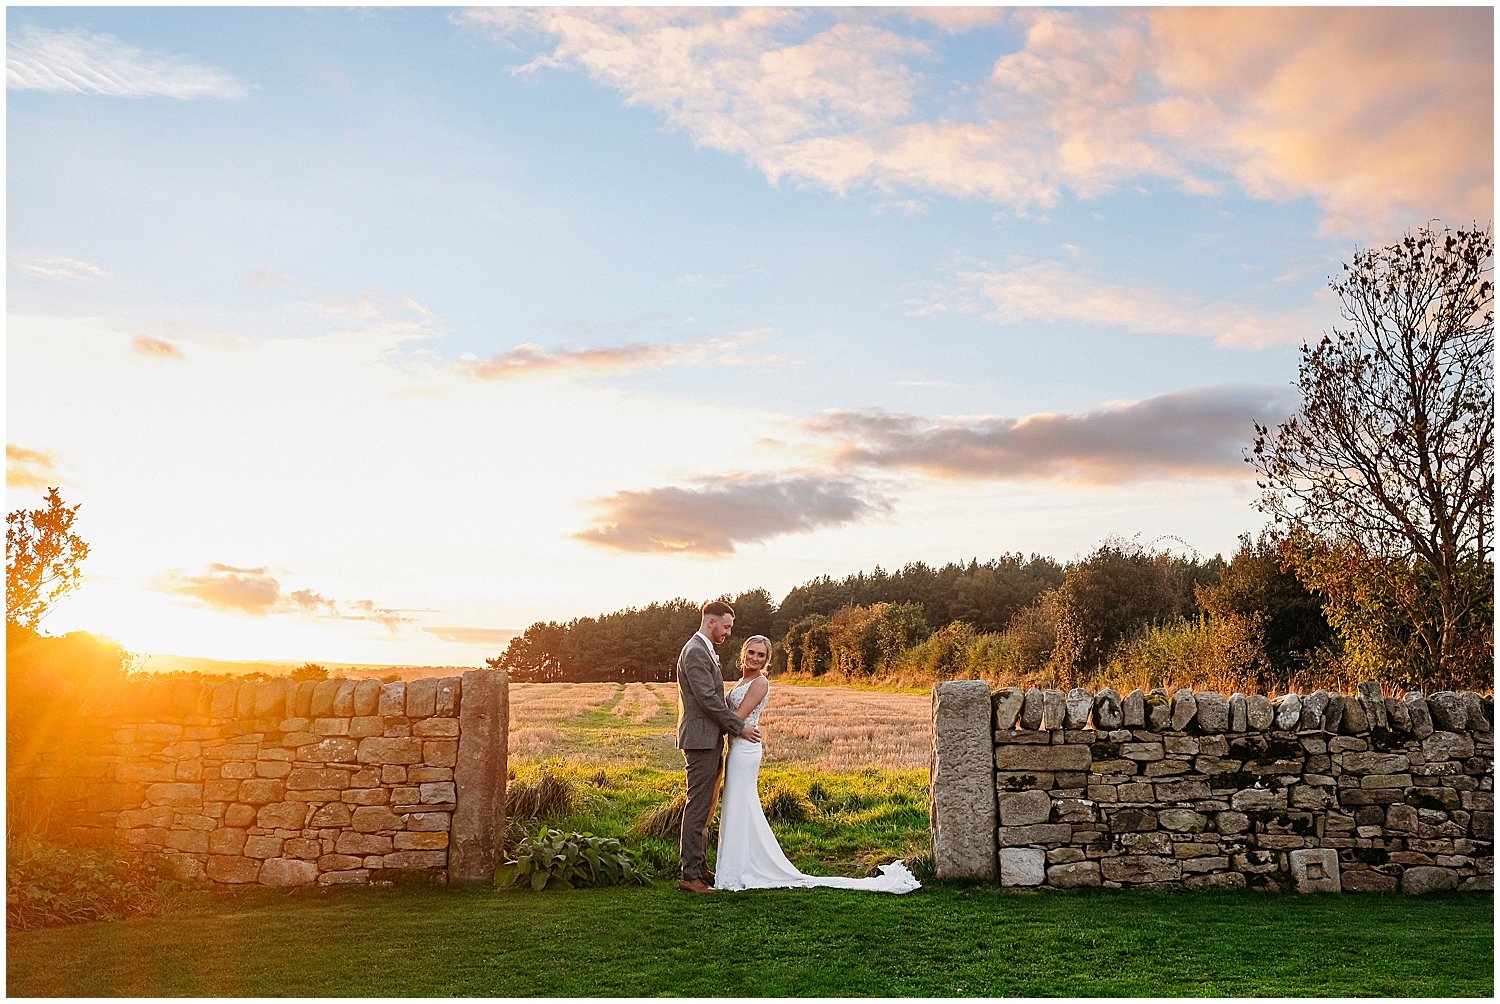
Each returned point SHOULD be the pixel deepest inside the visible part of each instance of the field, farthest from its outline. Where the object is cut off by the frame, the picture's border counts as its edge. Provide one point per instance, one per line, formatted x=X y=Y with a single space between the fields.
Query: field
x=834 y=729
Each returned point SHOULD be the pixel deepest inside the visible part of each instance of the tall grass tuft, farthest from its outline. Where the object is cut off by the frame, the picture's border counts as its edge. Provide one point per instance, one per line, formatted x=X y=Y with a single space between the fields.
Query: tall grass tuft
x=663 y=822
x=551 y=793
x=784 y=805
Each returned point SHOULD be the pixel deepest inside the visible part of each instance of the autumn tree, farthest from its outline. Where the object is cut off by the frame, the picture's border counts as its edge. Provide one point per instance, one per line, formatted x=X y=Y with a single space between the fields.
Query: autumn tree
x=1383 y=481
x=42 y=560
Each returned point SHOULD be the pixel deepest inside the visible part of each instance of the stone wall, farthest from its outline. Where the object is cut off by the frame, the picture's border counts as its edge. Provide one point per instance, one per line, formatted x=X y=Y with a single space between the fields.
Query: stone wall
x=285 y=783
x=1315 y=792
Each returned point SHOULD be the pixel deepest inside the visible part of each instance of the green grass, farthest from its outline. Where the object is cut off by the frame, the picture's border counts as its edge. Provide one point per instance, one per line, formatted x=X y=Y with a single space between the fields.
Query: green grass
x=859 y=819
x=655 y=941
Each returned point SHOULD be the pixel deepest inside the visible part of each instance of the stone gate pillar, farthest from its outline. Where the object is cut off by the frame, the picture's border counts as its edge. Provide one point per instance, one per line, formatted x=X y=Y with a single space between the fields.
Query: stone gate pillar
x=479 y=777
x=962 y=799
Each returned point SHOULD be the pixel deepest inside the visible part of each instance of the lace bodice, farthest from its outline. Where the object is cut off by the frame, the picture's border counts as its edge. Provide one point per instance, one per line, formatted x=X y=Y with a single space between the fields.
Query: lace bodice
x=737 y=695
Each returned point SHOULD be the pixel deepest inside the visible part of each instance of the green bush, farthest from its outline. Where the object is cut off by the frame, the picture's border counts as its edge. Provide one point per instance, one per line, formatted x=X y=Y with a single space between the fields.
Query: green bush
x=49 y=884
x=552 y=859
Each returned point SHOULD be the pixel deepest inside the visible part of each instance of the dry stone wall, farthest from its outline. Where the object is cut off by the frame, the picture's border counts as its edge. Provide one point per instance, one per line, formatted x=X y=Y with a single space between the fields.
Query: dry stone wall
x=1315 y=792
x=286 y=783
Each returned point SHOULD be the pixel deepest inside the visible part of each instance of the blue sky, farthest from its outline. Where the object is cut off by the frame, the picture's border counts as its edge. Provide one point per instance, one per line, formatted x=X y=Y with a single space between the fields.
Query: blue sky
x=374 y=335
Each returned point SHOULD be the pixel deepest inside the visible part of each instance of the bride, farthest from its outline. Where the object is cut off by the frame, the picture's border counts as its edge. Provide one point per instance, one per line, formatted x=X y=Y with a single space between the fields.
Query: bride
x=749 y=855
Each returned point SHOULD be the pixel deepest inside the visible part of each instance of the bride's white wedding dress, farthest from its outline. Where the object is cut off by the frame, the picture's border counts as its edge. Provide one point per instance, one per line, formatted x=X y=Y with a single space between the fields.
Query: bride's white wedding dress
x=749 y=855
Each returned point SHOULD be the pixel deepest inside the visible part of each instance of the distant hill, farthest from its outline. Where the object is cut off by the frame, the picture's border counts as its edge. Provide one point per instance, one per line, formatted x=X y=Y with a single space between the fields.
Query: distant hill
x=161 y=663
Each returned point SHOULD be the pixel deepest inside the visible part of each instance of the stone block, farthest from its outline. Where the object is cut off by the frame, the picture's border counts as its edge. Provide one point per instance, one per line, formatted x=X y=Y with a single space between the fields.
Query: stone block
x=303 y=847
x=1078 y=704
x=1182 y=820
x=1037 y=833
x=1213 y=712
x=1230 y=822
x=1184 y=709
x=363 y=727
x=175 y=794
x=288 y=872
x=1158 y=710
x=1154 y=842
x=1006 y=704
x=1447 y=746
x=1132 y=820
x=440 y=752
x=343 y=699
x=1474 y=706
x=392 y=702
x=1288 y=711
x=334 y=814
x=320 y=778
x=278 y=769
x=1218 y=880
x=1366 y=880
x=421 y=697
x=1449 y=711
x=282 y=815
x=1032 y=709
x=1374 y=763
x=1181 y=791
x=1333 y=715
x=1025 y=808
x=1238 y=713
x=239 y=815
x=330 y=750
x=374 y=818
x=336 y=726
x=260 y=845
x=1043 y=758
x=963 y=809
x=1133 y=710
x=449 y=697
x=1142 y=752
x=433 y=822
x=435 y=728
x=1259 y=713
x=1372 y=702
x=1107 y=709
x=1397 y=715
x=408 y=860
x=1421 y=879
x=1138 y=868
x=417 y=841
x=366 y=796
x=378 y=749
x=1022 y=866
x=1314 y=706
x=261 y=790
x=232 y=869
x=349 y=842
x=364 y=698
x=1315 y=869
x=1078 y=874
x=321 y=705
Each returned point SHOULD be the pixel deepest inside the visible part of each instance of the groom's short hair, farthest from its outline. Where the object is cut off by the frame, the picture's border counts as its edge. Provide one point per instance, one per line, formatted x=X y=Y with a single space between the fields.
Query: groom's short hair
x=717 y=608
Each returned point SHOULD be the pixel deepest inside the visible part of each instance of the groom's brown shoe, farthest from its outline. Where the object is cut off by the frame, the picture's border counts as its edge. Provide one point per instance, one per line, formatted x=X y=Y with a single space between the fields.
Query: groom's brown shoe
x=696 y=885
x=708 y=876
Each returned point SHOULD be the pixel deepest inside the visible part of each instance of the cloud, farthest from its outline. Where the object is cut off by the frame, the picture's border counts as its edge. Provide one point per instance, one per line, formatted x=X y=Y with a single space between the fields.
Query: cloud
x=1197 y=433
x=1340 y=105
x=488 y=637
x=529 y=359
x=149 y=346
x=83 y=62
x=54 y=267
x=1051 y=292
x=30 y=469
x=257 y=592
x=716 y=515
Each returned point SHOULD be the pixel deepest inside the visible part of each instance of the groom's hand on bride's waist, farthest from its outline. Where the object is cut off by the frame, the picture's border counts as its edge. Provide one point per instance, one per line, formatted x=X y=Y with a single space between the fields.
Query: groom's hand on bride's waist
x=751 y=733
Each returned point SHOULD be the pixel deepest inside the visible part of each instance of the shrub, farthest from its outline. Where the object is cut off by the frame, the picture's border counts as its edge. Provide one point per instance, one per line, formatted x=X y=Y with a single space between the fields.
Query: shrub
x=552 y=859
x=49 y=884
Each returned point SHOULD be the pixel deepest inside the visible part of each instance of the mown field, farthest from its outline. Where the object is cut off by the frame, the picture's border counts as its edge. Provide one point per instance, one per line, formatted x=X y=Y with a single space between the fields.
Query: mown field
x=847 y=770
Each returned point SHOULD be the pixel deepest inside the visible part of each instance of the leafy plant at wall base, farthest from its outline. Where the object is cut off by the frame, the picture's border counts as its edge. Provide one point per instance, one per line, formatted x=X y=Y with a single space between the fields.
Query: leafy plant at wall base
x=49 y=884
x=552 y=859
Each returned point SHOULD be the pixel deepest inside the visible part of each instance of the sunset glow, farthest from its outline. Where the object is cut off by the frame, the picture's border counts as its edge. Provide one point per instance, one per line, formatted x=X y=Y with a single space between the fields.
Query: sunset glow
x=373 y=336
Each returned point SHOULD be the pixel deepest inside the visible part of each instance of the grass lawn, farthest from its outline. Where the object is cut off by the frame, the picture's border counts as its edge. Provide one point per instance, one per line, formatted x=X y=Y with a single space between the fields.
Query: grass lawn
x=655 y=941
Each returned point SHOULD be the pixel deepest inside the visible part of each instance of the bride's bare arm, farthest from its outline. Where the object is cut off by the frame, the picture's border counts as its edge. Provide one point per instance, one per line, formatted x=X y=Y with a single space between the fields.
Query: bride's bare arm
x=752 y=697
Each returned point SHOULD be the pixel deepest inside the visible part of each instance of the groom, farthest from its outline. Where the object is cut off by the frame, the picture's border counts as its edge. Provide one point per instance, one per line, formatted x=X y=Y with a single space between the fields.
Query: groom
x=702 y=720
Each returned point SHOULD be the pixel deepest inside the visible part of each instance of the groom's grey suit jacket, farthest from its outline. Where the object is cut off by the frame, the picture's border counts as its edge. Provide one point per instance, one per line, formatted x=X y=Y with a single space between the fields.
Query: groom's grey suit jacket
x=702 y=714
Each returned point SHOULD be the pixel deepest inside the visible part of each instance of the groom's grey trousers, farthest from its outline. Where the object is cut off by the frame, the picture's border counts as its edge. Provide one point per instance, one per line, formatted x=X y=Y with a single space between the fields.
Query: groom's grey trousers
x=704 y=768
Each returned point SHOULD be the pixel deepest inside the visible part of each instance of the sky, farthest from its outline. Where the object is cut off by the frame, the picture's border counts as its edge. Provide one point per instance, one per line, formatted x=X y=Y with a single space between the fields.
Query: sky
x=375 y=335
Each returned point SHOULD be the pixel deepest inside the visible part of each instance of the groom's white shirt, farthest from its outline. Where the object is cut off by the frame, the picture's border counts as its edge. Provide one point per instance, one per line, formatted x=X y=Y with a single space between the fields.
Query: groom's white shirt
x=708 y=645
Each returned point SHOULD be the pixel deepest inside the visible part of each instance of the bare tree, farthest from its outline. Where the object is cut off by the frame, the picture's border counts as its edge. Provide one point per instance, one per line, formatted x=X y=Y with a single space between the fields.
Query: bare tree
x=1384 y=480
x=42 y=555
